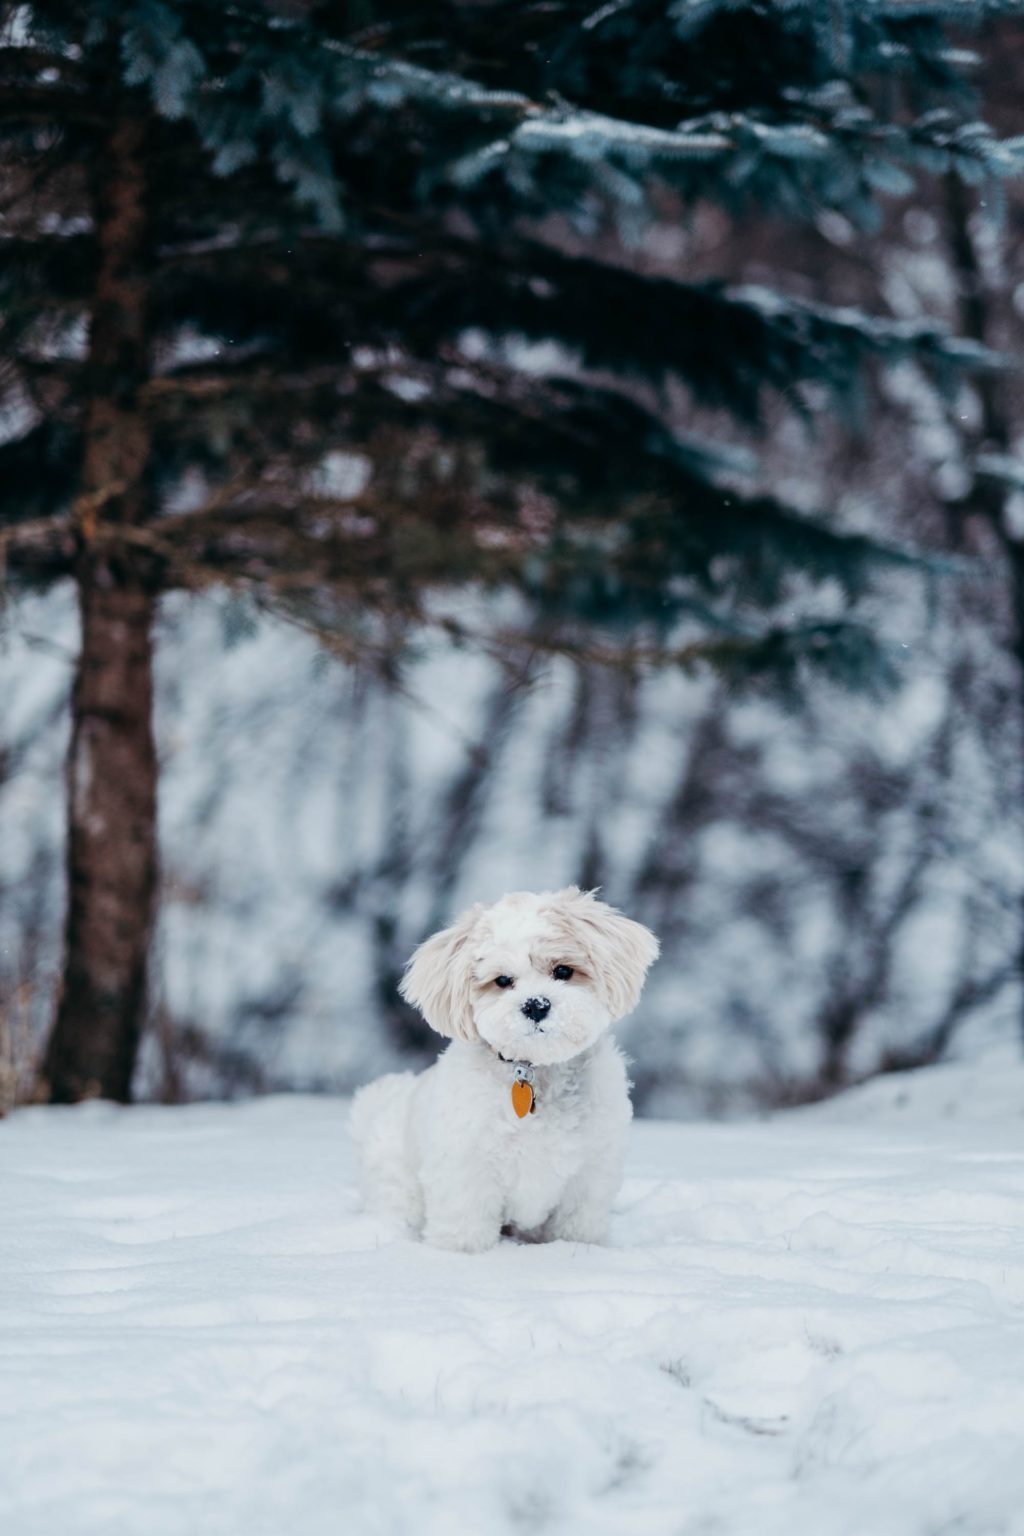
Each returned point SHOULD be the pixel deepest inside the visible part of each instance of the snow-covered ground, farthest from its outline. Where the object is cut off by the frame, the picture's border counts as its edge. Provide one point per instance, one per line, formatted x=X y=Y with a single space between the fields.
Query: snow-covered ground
x=813 y=1324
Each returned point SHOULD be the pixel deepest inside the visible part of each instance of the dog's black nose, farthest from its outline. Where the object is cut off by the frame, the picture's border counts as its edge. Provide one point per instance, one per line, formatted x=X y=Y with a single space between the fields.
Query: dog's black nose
x=537 y=1008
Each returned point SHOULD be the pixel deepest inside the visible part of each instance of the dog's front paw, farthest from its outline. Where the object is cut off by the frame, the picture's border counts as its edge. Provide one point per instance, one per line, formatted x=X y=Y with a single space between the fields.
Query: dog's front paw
x=461 y=1239
x=462 y=1220
x=577 y=1231
x=585 y=1222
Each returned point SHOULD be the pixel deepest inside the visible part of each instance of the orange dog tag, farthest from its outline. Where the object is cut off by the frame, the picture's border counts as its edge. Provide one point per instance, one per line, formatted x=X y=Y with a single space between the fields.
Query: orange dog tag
x=522 y=1098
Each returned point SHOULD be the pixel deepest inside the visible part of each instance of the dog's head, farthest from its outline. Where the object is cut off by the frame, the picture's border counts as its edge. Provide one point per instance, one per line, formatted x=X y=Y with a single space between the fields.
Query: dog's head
x=536 y=976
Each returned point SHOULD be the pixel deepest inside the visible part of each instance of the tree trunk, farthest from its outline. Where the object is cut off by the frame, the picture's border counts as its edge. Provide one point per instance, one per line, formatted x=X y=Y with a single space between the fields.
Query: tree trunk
x=111 y=843
x=111 y=858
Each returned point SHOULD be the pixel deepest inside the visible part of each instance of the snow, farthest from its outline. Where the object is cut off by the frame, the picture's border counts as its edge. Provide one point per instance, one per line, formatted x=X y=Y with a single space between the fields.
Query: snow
x=813 y=1323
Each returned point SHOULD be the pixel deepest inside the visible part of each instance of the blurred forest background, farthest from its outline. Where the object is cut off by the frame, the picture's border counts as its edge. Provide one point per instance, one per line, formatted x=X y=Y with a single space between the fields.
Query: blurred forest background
x=513 y=444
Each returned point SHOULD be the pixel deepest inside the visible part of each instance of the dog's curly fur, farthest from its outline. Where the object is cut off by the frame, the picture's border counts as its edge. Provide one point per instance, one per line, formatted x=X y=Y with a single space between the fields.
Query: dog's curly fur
x=443 y=1150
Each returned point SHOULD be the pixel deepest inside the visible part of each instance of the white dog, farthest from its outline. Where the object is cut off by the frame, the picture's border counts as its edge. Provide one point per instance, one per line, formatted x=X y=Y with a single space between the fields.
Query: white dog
x=521 y=1123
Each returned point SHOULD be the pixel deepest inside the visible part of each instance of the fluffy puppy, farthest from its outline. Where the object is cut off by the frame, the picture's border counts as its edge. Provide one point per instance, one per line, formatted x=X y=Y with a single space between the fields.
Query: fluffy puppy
x=521 y=1124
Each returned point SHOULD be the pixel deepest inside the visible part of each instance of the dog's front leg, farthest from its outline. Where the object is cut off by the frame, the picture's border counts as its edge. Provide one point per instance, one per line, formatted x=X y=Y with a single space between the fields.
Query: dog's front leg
x=584 y=1209
x=467 y=1220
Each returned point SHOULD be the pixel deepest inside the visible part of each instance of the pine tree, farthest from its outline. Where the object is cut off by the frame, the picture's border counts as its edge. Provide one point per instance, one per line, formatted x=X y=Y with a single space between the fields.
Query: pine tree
x=238 y=240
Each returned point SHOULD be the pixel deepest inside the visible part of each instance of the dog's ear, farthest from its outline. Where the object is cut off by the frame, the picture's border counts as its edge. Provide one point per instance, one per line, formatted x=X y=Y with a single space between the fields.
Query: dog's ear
x=620 y=950
x=439 y=979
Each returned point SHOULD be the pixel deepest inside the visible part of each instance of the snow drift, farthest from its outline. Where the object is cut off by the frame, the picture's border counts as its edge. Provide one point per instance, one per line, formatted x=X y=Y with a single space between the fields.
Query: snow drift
x=806 y=1324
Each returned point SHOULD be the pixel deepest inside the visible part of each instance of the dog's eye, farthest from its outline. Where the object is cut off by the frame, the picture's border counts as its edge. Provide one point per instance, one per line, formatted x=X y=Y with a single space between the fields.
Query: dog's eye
x=503 y=981
x=562 y=972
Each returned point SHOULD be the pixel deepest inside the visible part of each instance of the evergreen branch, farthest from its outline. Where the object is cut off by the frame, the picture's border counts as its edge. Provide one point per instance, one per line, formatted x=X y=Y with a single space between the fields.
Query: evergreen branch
x=47 y=268
x=782 y=656
x=40 y=548
x=301 y=90
x=729 y=345
x=23 y=103
x=799 y=148
x=600 y=456
x=38 y=471
x=19 y=61
x=1002 y=469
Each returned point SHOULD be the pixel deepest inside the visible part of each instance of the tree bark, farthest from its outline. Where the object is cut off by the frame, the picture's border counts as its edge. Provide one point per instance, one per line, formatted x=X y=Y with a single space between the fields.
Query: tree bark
x=111 y=770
